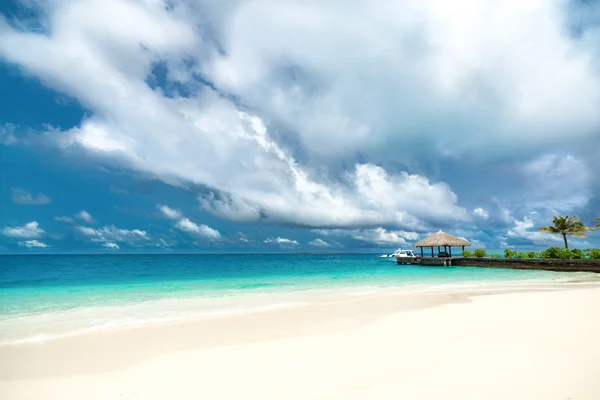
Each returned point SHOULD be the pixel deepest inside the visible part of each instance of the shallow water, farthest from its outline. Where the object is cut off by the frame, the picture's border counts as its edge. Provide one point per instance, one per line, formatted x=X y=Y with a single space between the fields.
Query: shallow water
x=47 y=296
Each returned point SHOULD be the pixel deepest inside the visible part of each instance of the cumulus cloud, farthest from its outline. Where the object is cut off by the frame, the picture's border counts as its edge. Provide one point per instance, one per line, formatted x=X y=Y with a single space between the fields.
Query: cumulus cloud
x=111 y=245
x=522 y=230
x=169 y=212
x=283 y=242
x=371 y=196
x=437 y=80
x=377 y=236
x=85 y=217
x=113 y=234
x=30 y=230
x=33 y=243
x=436 y=73
x=184 y=224
x=320 y=243
x=198 y=230
x=382 y=237
x=480 y=212
x=21 y=196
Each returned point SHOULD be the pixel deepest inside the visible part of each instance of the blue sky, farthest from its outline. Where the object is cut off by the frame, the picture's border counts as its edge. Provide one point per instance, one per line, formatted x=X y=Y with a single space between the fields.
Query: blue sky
x=246 y=126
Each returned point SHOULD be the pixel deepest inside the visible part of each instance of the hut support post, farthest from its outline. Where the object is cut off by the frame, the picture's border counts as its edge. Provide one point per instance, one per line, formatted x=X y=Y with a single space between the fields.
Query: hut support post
x=431 y=251
x=421 y=252
x=450 y=250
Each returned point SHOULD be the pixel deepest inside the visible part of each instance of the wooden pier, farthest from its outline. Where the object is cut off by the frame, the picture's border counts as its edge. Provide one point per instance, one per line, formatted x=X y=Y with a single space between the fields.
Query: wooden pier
x=429 y=261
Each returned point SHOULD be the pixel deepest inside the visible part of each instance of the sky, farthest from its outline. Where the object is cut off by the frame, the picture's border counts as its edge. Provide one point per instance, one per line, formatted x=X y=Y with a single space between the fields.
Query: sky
x=145 y=126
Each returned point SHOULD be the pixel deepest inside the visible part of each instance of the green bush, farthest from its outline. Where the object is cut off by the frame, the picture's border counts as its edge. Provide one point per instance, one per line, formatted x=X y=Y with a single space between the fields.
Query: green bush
x=508 y=253
x=495 y=255
x=480 y=253
x=576 y=254
x=593 y=254
x=562 y=253
x=555 y=252
x=467 y=253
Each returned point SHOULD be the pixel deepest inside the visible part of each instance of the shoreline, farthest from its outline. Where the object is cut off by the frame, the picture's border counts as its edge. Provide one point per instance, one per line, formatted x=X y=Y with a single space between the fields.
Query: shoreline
x=523 y=345
x=203 y=332
x=201 y=308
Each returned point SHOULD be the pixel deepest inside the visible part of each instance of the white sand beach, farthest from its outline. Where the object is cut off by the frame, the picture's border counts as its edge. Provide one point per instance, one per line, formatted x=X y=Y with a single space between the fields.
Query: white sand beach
x=538 y=345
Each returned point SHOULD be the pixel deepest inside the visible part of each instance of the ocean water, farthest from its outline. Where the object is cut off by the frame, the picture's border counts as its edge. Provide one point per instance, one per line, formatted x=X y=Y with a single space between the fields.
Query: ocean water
x=48 y=296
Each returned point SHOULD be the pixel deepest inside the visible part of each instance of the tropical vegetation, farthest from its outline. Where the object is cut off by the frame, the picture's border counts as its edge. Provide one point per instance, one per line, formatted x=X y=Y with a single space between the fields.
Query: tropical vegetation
x=561 y=225
x=480 y=253
x=566 y=226
x=555 y=252
x=467 y=253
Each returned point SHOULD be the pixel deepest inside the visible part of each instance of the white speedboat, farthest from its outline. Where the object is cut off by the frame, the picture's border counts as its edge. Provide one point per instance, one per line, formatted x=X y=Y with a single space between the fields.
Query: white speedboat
x=400 y=254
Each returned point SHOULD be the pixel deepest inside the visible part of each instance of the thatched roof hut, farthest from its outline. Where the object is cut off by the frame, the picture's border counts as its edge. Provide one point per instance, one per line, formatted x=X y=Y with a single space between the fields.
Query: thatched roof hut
x=442 y=239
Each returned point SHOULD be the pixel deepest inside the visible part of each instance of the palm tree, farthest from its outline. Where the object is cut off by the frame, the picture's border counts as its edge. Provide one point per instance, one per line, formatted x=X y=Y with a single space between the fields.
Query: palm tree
x=598 y=224
x=564 y=226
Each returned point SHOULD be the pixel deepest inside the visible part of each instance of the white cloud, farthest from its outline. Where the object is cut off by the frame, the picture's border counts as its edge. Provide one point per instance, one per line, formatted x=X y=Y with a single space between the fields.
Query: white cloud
x=436 y=74
x=381 y=236
x=33 y=243
x=320 y=243
x=111 y=245
x=113 y=234
x=30 y=230
x=434 y=61
x=186 y=225
x=521 y=230
x=477 y=244
x=481 y=212
x=169 y=212
x=283 y=242
x=67 y=220
x=378 y=236
x=21 y=196
x=85 y=217
x=201 y=230
x=230 y=206
x=370 y=197
x=7 y=136
x=165 y=244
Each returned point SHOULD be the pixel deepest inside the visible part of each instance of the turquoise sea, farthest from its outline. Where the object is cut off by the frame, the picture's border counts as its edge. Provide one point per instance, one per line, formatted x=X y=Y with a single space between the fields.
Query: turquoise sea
x=46 y=296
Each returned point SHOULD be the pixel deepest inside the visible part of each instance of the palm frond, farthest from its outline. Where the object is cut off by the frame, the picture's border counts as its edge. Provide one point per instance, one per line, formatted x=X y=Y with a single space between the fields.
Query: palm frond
x=567 y=226
x=549 y=229
x=580 y=235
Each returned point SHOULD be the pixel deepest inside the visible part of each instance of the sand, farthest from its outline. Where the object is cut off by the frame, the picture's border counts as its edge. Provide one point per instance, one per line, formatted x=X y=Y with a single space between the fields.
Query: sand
x=539 y=345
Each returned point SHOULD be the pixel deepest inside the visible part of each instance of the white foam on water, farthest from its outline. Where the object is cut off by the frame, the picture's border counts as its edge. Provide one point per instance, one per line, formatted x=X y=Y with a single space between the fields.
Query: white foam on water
x=25 y=328
x=20 y=329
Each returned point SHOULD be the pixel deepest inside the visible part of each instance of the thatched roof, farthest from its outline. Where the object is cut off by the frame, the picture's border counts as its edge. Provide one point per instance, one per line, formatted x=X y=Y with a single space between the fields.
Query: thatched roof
x=442 y=239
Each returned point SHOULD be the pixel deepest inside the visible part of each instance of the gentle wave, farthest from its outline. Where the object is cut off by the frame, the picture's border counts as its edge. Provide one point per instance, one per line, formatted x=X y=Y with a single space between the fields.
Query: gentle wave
x=25 y=328
x=132 y=322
